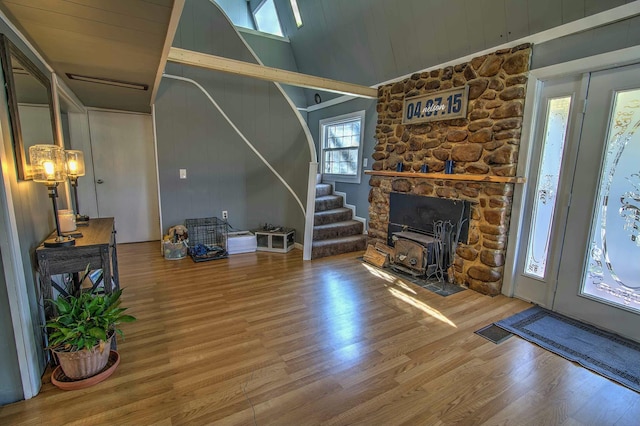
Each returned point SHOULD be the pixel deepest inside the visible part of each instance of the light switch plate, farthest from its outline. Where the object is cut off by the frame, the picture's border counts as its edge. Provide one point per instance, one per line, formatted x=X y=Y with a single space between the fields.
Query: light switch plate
x=365 y=161
x=183 y=173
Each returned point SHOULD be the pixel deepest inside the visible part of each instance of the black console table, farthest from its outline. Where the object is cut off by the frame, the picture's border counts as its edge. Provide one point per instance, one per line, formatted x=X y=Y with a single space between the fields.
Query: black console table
x=96 y=248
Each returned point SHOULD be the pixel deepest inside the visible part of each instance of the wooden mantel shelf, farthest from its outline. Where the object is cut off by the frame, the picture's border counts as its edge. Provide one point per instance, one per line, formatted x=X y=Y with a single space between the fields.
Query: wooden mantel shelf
x=445 y=176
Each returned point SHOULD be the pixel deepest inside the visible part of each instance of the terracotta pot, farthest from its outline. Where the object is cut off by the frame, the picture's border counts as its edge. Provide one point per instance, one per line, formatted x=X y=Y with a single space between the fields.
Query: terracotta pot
x=59 y=379
x=84 y=363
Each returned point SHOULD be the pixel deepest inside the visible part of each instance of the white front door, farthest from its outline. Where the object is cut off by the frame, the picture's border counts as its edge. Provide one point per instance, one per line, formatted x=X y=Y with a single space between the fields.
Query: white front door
x=599 y=273
x=125 y=173
x=556 y=135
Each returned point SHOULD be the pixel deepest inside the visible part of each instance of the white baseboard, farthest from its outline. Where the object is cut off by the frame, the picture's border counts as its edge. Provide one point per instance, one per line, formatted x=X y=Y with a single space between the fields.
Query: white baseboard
x=353 y=210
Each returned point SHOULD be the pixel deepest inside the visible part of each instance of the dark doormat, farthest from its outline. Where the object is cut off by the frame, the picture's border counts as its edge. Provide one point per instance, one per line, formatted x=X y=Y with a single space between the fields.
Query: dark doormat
x=494 y=333
x=442 y=288
x=605 y=353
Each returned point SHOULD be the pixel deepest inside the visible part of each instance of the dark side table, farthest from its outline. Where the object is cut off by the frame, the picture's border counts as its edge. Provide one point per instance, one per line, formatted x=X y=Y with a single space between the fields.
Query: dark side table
x=96 y=248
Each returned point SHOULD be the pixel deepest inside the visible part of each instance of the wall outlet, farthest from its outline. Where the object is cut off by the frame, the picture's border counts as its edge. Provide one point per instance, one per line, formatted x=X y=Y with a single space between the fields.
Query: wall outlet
x=225 y=214
x=183 y=173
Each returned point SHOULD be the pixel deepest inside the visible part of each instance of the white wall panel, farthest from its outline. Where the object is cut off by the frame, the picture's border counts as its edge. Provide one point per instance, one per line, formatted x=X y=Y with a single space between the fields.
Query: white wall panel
x=494 y=22
x=544 y=14
x=517 y=18
x=572 y=10
x=474 y=20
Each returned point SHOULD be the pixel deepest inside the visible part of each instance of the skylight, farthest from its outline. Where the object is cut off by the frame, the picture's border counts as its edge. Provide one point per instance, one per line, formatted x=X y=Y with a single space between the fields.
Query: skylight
x=296 y=12
x=267 y=18
x=238 y=12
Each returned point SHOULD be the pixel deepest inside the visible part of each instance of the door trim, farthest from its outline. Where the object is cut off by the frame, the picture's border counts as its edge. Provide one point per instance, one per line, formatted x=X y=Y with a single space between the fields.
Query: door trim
x=526 y=286
x=603 y=61
x=155 y=155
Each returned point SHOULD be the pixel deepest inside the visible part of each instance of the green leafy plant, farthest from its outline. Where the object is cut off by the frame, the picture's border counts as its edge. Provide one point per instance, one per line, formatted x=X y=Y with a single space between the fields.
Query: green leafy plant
x=86 y=320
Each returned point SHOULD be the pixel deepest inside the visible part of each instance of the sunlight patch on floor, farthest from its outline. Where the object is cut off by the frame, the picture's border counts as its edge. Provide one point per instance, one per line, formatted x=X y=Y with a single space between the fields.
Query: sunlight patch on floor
x=341 y=313
x=405 y=287
x=421 y=305
x=407 y=298
x=380 y=274
x=390 y=278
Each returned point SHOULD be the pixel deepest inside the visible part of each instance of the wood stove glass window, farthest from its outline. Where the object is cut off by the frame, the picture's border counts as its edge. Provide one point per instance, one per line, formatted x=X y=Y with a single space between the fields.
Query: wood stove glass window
x=342 y=147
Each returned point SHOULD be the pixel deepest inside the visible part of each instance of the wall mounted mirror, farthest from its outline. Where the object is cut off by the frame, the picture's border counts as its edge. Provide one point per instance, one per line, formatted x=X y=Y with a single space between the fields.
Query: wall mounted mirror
x=30 y=104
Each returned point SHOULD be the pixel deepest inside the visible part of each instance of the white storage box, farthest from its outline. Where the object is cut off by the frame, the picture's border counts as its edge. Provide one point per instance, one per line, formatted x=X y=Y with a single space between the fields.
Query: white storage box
x=241 y=242
x=279 y=241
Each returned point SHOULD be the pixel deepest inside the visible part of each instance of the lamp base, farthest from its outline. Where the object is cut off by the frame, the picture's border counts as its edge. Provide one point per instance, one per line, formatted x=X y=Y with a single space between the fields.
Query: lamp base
x=73 y=234
x=82 y=220
x=60 y=242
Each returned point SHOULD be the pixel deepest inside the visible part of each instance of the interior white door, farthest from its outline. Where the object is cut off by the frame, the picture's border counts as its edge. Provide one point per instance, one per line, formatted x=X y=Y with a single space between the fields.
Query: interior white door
x=125 y=173
x=599 y=275
x=556 y=135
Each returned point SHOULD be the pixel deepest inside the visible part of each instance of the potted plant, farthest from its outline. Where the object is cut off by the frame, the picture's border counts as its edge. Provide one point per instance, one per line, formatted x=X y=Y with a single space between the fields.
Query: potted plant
x=81 y=333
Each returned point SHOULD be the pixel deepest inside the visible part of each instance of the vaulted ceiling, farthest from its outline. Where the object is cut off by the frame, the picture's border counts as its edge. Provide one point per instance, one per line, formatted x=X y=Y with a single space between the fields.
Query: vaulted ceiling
x=372 y=41
x=109 y=39
x=358 y=41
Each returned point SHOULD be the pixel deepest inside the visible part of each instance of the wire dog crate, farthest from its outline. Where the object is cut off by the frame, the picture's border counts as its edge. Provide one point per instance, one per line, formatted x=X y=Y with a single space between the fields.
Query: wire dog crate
x=207 y=238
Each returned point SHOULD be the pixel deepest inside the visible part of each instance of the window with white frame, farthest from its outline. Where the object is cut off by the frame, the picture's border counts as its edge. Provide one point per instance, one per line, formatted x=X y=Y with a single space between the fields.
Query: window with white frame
x=341 y=143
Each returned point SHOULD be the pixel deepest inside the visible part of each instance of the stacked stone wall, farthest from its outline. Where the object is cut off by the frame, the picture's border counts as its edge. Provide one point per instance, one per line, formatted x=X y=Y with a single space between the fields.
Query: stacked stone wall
x=484 y=143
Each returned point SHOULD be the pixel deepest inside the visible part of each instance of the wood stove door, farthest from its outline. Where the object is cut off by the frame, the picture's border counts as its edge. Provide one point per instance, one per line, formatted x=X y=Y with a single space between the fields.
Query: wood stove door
x=555 y=138
x=410 y=255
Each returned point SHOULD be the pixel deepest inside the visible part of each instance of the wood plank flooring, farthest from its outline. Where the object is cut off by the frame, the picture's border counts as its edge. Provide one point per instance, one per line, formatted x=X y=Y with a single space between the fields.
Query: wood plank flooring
x=267 y=339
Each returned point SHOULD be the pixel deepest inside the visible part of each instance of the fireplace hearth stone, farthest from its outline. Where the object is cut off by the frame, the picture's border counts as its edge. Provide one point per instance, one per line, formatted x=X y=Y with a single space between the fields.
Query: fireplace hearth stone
x=442 y=288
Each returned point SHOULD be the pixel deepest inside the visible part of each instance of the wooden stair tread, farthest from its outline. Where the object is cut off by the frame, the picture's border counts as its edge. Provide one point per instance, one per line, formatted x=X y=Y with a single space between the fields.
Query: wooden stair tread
x=337 y=224
x=333 y=211
x=330 y=241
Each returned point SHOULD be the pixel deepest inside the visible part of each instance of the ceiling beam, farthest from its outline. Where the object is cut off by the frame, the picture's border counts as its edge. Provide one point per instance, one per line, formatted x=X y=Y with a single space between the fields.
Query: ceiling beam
x=174 y=19
x=261 y=72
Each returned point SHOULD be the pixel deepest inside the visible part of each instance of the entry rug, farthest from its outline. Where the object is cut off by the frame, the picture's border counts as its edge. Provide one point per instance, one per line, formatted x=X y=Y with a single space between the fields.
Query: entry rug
x=605 y=353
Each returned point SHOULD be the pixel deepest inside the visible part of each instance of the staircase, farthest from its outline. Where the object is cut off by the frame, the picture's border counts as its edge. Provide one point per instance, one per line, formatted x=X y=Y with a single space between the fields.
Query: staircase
x=334 y=230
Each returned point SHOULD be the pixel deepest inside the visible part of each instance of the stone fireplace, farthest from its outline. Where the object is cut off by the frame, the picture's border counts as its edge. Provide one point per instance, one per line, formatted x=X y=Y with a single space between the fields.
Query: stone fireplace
x=483 y=146
x=428 y=230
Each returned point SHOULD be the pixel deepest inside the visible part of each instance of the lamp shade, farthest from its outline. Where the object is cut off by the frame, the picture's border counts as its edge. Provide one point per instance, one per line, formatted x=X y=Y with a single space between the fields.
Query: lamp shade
x=48 y=163
x=75 y=162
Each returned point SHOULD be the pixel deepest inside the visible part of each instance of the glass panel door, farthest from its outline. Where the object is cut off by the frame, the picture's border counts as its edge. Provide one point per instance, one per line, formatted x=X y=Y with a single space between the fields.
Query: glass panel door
x=544 y=203
x=552 y=161
x=599 y=273
x=613 y=266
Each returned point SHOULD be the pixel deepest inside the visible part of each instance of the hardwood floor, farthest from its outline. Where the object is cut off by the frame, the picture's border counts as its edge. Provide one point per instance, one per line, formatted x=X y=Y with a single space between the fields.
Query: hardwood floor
x=267 y=339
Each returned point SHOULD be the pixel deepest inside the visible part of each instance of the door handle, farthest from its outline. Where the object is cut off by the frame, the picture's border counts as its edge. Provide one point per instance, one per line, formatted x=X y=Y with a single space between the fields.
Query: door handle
x=99 y=181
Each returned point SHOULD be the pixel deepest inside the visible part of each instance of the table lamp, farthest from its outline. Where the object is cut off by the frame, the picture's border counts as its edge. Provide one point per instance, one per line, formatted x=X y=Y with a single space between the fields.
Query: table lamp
x=75 y=169
x=48 y=166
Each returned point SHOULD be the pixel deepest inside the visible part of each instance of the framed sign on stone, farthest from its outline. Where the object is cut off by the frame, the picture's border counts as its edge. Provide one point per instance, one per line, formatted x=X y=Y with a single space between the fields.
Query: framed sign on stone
x=442 y=105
